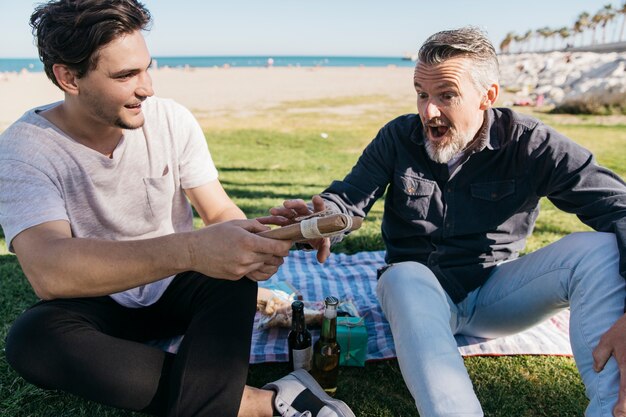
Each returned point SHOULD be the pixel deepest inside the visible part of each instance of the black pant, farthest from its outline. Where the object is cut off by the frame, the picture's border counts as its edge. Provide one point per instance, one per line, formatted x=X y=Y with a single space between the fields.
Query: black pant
x=94 y=348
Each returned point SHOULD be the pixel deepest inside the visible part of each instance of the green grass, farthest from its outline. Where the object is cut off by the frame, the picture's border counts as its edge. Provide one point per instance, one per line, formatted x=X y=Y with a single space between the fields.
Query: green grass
x=280 y=154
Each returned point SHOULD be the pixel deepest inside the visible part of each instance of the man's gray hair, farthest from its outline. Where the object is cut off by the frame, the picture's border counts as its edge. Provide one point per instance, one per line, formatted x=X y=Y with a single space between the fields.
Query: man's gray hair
x=469 y=42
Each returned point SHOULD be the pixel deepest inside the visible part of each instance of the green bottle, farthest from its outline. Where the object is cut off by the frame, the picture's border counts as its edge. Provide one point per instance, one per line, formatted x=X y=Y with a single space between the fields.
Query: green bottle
x=326 y=350
x=299 y=339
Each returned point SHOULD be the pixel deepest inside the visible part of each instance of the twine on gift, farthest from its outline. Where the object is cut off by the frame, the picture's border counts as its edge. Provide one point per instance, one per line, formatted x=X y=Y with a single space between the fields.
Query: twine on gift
x=350 y=325
x=309 y=228
x=323 y=213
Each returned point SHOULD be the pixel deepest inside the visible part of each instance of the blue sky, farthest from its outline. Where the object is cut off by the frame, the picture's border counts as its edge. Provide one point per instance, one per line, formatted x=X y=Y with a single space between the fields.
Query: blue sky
x=314 y=27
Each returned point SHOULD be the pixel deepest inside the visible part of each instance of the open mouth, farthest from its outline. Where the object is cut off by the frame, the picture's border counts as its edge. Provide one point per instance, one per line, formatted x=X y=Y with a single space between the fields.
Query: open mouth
x=437 y=131
x=133 y=106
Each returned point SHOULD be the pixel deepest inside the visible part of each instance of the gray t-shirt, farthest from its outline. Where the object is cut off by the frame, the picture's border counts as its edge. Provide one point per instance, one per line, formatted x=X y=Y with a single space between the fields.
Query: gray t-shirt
x=136 y=194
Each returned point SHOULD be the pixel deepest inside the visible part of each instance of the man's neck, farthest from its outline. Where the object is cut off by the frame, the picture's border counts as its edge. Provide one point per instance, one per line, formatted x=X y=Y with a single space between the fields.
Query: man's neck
x=479 y=139
x=475 y=145
x=96 y=136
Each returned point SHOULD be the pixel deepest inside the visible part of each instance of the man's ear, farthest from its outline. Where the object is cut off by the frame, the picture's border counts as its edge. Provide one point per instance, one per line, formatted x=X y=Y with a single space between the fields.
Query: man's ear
x=490 y=96
x=66 y=78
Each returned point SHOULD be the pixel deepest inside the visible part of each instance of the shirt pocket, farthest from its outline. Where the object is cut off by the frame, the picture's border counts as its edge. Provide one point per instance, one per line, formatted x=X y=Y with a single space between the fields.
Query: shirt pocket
x=160 y=195
x=493 y=191
x=412 y=196
x=492 y=203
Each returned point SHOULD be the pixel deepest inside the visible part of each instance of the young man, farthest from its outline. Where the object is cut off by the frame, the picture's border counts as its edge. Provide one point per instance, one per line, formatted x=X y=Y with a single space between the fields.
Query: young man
x=93 y=203
x=463 y=182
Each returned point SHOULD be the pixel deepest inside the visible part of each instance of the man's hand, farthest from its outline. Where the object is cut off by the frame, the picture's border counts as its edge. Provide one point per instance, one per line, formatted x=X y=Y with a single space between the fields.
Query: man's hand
x=58 y=265
x=231 y=250
x=285 y=215
x=613 y=342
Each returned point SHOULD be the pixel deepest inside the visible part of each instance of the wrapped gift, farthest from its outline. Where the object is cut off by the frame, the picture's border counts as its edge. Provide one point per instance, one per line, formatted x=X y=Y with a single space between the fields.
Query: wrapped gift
x=352 y=337
x=315 y=226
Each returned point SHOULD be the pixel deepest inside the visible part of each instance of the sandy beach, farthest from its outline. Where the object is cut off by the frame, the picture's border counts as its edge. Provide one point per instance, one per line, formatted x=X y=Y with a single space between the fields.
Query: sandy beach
x=233 y=90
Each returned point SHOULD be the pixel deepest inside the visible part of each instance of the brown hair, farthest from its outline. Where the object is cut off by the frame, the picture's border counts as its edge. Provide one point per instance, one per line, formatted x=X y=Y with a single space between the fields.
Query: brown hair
x=71 y=32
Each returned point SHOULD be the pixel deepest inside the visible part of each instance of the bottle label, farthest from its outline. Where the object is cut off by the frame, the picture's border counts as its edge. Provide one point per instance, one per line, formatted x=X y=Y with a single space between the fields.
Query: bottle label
x=302 y=358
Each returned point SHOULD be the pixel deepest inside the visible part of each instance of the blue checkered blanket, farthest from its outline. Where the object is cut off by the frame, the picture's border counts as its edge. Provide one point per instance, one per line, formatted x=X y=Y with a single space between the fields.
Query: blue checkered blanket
x=353 y=277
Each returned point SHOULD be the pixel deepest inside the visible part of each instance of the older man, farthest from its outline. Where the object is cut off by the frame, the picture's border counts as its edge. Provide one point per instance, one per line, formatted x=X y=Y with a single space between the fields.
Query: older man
x=463 y=182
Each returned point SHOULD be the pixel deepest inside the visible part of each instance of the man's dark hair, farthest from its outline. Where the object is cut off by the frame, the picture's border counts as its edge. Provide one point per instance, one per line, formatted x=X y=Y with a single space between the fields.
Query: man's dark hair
x=71 y=32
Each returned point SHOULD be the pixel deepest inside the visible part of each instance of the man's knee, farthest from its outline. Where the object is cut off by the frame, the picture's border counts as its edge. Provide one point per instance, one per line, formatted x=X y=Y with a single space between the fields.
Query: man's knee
x=243 y=292
x=593 y=255
x=409 y=284
x=213 y=290
x=590 y=245
x=22 y=337
x=30 y=342
x=248 y=290
x=401 y=277
x=238 y=296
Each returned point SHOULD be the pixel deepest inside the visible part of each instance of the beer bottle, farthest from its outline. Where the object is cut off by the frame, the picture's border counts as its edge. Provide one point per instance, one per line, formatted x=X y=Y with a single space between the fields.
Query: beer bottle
x=326 y=350
x=299 y=339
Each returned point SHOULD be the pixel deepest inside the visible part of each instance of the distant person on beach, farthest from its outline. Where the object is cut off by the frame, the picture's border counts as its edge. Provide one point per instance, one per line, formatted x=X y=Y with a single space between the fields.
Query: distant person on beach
x=462 y=182
x=94 y=204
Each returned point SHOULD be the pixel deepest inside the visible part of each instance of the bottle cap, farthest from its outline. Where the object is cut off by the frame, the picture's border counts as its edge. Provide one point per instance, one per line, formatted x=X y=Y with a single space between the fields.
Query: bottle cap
x=331 y=301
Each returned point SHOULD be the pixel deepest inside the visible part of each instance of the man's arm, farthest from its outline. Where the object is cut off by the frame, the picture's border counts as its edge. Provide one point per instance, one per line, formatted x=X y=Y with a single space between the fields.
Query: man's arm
x=213 y=204
x=355 y=195
x=60 y=266
x=576 y=184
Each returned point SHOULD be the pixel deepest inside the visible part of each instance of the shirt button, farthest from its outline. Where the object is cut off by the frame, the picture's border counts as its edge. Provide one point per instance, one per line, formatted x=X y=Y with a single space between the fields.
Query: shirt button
x=494 y=195
x=449 y=189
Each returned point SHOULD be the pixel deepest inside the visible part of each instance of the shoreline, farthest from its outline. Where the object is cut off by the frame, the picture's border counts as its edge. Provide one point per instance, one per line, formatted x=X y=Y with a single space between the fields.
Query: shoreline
x=33 y=64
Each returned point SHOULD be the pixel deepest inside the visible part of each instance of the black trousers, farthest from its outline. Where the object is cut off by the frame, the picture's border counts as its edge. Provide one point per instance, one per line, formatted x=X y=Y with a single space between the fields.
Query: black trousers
x=94 y=348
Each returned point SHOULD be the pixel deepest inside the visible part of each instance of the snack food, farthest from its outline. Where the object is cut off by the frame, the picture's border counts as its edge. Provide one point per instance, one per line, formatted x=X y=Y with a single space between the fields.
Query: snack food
x=274 y=306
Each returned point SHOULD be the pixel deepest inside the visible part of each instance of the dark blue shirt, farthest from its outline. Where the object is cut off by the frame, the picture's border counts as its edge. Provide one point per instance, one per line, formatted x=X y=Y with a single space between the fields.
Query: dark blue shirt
x=461 y=224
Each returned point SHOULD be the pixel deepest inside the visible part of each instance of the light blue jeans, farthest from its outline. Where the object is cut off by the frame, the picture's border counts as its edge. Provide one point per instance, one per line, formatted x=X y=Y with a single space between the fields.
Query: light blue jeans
x=579 y=271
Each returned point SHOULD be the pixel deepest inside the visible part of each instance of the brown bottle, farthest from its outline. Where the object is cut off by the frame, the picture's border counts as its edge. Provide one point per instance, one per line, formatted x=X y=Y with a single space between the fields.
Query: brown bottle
x=326 y=350
x=299 y=339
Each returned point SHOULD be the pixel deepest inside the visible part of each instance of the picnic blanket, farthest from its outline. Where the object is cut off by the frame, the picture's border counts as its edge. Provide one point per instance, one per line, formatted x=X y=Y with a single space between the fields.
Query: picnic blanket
x=354 y=277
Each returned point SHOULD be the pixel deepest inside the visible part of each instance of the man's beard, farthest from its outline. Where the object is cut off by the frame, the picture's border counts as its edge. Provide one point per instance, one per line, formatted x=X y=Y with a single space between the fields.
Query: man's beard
x=124 y=125
x=444 y=150
x=106 y=116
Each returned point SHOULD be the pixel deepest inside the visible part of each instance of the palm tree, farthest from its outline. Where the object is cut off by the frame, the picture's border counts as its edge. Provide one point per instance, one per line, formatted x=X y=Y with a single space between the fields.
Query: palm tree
x=537 y=35
x=545 y=33
x=551 y=34
x=608 y=14
x=519 y=39
x=578 y=30
x=506 y=42
x=622 y=11
x=595 y=21
x=584 y=23
x=527 y=40
x=523 y=41
x=564 y=33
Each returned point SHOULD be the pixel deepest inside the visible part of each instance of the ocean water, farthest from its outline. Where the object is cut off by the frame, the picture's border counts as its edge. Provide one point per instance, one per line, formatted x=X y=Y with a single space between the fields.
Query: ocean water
x=16 y=65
